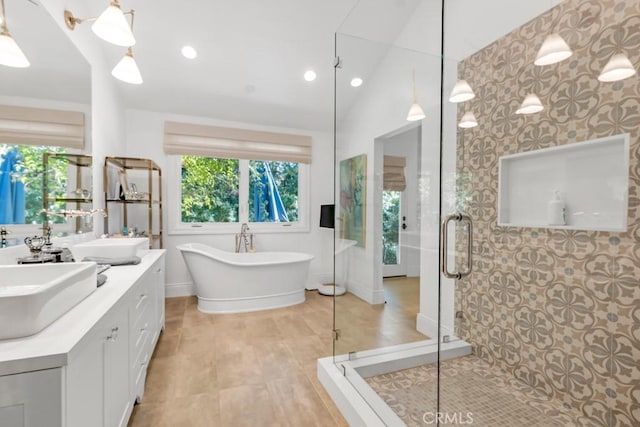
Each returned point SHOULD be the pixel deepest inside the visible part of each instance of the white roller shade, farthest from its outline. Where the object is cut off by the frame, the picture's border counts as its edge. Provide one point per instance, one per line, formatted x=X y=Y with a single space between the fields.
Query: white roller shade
x=37 y=126
x=232 y=143
x=394 y=176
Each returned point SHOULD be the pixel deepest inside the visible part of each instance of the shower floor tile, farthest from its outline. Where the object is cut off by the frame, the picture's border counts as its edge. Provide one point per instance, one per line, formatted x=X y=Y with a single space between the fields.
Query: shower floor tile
x=472 y=392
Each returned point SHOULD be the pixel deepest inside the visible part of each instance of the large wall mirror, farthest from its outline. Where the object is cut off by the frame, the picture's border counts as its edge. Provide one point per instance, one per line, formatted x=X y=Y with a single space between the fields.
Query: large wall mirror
x=58 y=79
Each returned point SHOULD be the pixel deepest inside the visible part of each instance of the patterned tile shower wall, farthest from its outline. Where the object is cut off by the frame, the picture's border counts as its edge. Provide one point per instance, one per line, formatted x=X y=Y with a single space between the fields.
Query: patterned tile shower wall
x=559 y=309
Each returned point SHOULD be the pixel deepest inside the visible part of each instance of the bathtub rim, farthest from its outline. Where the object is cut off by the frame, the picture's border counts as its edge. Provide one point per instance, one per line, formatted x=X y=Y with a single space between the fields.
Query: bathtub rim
x=299 y=256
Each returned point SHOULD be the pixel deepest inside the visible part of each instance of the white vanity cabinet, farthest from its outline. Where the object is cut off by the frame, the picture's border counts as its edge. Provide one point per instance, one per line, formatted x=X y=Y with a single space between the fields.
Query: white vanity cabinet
x=88 y=368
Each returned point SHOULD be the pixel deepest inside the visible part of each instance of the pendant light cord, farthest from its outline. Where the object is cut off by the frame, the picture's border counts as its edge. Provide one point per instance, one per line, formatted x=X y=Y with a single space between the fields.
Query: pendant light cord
x=133 y=15
x=415 y=97
x=4 y=20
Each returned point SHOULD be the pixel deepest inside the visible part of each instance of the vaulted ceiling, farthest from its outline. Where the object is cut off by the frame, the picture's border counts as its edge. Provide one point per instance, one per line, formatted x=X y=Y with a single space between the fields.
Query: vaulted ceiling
x=252 y=55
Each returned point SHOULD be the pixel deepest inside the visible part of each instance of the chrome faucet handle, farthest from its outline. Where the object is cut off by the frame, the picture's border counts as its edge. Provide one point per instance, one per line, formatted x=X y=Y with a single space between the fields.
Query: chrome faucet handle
x=35 y=243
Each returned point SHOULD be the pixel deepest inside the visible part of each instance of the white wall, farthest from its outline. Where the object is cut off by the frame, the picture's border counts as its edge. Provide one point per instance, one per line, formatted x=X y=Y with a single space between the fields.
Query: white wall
x=144 y=130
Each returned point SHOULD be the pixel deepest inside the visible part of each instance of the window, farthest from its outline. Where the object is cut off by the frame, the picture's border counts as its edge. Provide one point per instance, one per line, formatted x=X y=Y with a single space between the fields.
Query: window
x=22 y=178
x=214 y=193
x=273 y=191
x=226 y=176
x=210 y=189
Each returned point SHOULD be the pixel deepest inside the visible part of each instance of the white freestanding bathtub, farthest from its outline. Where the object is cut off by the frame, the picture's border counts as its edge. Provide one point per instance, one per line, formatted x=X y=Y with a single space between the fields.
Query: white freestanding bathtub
x=228 y=282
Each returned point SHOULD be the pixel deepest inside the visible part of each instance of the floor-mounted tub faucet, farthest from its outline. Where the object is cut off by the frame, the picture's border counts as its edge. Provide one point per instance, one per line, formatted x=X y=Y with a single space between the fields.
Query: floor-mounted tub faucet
x=244 y=238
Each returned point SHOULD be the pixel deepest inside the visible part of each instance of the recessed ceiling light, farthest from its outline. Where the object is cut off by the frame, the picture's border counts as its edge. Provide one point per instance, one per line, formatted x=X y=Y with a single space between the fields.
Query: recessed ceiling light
x=310 y=76
x=356 y=81
x=189 y=52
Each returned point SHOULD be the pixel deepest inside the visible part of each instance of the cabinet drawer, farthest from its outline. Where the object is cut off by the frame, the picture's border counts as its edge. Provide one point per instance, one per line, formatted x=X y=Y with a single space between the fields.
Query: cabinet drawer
x=143 y=314
x=142 y=309
x=141 y=341
x=141 y=350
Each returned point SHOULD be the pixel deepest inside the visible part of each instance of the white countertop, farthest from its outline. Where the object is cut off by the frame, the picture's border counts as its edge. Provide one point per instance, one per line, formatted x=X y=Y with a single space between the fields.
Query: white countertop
x=50 y=347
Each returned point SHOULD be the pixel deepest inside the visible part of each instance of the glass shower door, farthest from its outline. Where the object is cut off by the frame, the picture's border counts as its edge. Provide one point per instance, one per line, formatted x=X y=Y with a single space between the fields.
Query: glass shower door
x=375 y=319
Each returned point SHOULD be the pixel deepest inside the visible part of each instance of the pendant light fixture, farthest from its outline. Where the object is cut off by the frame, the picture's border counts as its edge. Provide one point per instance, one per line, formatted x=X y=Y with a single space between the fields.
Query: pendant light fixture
x=461 y=92
x=111 y=26
x=10 y=53
x=554 y=49
x=415 y=112
x=619 y=67
x=127 y=70
x=468 y=120
x=530 y=105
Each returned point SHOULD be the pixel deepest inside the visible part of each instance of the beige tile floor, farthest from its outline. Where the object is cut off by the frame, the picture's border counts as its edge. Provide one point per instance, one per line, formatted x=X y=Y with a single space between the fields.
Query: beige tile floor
x=365 y=327
x=255 y=368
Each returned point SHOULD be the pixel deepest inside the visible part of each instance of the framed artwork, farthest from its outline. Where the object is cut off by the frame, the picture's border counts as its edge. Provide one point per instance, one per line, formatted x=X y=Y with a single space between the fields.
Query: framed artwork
x=353 y=199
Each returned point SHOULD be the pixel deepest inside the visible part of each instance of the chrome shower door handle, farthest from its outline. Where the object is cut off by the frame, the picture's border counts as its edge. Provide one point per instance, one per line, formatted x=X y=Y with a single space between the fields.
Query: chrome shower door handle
x=466 y=218
x=444 y=242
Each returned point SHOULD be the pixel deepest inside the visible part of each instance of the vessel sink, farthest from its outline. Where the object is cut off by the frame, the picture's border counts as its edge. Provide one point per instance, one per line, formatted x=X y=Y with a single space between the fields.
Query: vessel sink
x=34 y=296
x=111 y=248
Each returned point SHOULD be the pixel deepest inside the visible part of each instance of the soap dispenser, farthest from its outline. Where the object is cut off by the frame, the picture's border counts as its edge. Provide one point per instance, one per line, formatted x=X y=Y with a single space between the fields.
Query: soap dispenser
x=556 y=210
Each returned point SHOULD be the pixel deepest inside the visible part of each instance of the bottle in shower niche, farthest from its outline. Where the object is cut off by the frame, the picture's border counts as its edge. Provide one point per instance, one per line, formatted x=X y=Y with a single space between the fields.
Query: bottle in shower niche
x=556 y=211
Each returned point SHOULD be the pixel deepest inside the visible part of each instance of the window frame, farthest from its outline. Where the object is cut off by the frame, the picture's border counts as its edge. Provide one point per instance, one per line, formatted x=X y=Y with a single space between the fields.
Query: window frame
x=177 y=227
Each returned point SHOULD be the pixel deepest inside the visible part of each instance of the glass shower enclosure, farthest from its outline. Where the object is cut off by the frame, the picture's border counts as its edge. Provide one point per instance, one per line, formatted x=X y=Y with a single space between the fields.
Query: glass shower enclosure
x=518 y=301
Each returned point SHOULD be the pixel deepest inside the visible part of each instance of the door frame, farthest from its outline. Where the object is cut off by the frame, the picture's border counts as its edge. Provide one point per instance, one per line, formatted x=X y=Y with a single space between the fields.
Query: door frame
x=378 y=165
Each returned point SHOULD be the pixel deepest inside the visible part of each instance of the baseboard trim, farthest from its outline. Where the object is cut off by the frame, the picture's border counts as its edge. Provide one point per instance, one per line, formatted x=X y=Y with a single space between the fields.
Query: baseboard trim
x=367 y=294
x=179 y=290
x=429 y=327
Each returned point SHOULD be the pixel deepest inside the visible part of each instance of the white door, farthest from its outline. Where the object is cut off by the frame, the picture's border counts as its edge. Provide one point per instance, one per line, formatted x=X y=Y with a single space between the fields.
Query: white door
x=394 y=224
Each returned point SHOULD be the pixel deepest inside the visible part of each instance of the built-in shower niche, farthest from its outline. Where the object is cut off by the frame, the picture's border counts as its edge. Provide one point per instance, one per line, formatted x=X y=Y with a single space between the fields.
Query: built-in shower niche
x=591 y=178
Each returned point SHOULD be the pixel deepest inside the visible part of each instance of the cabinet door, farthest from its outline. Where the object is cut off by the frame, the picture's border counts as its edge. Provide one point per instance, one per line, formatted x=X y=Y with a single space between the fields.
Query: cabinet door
x=31 y=399
x=116 y=369
x=85 y=380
